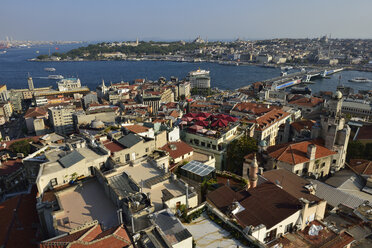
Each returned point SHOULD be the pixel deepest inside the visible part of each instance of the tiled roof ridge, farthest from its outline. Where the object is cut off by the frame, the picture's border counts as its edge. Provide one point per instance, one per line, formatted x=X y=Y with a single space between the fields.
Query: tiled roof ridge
x=113 y=235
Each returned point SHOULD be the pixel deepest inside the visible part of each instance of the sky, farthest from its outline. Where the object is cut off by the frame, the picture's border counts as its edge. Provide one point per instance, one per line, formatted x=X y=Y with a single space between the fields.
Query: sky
x=103 y=20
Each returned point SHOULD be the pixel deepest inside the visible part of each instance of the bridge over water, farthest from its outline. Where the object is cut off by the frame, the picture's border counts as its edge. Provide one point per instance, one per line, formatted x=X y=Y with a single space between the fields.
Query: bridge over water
x=289 y=80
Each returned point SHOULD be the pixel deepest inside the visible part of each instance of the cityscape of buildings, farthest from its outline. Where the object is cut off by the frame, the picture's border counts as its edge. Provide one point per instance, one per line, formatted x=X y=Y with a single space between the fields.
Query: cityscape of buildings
x=178 y=163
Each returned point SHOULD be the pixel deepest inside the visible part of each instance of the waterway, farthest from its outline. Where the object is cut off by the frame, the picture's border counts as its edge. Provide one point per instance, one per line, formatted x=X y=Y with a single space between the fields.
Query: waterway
x=14 y=69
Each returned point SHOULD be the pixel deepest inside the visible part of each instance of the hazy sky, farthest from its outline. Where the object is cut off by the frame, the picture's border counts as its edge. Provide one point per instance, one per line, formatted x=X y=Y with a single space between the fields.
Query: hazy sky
x=176 y=19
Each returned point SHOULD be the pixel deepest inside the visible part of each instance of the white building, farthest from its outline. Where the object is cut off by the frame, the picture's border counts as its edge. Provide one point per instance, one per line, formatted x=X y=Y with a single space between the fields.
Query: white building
x=199 y=79
x=61 y=119
x=69 y=84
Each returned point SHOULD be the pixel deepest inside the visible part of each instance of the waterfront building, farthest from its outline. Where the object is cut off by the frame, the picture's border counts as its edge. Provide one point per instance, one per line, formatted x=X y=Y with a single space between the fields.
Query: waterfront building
x=199 y=79
x=4 y=95
x=69 y=84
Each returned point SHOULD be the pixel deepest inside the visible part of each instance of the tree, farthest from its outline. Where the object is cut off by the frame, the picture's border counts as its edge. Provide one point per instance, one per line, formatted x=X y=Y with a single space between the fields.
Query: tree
x=43 y=56
x=236 y=151
x=22 y=146
x=355 y=149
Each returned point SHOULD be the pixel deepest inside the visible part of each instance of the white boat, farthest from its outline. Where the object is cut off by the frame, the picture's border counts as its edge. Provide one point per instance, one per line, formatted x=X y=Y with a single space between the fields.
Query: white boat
x=49 y=69
x=360 y=80
x=55 y=77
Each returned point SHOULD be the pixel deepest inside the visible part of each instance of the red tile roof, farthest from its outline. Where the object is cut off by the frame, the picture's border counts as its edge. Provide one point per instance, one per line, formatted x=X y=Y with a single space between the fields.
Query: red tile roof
x=10 y=166
x=19 y=220
x=291 y=183
x=35 y=112
x=8 y=143
x=266 y=204
x=269 y=118
x=116 y=237
x=253 y=108
x=113 y=146
x=305 y=124
x=361 y=166
x=306 y=101
x=296 y=153
x=180 y=148
x=137 y=128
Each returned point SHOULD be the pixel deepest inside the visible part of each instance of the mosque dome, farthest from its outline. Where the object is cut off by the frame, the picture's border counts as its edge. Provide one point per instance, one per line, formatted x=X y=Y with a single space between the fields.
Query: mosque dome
x=97 y=124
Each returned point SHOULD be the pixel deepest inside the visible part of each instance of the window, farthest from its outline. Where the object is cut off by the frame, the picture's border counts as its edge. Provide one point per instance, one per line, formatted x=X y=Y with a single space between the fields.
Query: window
x=53 y=182
x=288 y=228
x=147 y=149
x=127 y=158
x=203 y=143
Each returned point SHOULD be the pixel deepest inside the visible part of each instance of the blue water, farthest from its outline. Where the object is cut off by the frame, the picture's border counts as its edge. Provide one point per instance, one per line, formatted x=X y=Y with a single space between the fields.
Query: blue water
x=14 y=69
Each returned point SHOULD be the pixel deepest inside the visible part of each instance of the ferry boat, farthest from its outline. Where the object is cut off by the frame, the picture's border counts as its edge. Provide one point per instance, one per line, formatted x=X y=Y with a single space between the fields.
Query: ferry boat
x=49 y=69
x=360 y=80
x=56 y=77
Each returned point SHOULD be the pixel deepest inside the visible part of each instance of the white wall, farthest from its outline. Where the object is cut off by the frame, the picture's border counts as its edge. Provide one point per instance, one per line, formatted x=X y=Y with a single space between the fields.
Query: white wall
x=280 y=227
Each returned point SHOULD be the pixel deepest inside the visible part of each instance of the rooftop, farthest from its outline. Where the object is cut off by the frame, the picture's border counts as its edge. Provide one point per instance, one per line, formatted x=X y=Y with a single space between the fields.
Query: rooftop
x=296 y=153
x=290 y=182
x=144 y=172
x=83 y=204
x=208 y=234
x=198 y=168
x=92 y=236
x=177 y=149
x=170 y=225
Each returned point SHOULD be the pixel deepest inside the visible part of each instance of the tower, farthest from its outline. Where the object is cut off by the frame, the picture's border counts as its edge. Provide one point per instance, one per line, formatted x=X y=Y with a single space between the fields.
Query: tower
x=253 y=170
x=335 y=131
x=30 y=83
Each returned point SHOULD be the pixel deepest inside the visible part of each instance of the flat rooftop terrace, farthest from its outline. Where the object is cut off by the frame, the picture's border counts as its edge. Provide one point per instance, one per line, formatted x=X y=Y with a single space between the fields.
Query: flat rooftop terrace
x=83 y=204
x=208 y=234
x=145 y=171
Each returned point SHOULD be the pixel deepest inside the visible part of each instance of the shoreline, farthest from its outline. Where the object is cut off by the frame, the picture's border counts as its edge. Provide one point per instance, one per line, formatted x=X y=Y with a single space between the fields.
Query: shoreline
x=223 y=62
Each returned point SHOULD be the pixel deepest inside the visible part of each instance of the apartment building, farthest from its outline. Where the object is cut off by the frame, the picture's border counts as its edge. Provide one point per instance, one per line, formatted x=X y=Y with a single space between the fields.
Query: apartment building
x=61 y=119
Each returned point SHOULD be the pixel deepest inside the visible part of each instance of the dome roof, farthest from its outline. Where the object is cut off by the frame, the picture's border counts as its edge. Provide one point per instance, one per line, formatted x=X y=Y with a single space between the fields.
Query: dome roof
x=97 y=124
x=337 y=95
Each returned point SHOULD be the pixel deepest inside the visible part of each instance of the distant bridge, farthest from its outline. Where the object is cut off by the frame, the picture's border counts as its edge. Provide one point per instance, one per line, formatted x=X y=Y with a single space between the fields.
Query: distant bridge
x=289 y=80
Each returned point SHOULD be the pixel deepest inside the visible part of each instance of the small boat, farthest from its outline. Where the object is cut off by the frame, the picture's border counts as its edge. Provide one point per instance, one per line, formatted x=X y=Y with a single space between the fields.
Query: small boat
x=56 y=77
x=360 y=80
x=49 y=69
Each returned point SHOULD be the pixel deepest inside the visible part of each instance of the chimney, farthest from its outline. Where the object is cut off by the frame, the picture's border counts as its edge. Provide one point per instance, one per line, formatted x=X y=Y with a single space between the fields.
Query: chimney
x=120 y=216
x=311 y=150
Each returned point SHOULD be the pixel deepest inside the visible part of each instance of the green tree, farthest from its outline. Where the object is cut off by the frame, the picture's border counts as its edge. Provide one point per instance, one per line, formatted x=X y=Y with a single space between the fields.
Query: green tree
x=22 y=146
x=355 y=149
x=236 y=151
x=43 y=56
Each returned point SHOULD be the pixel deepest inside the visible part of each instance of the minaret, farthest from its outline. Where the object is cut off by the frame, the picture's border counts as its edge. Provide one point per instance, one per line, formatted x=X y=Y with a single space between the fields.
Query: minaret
x=103 y=87
x=30 y=83
x=253 y=171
